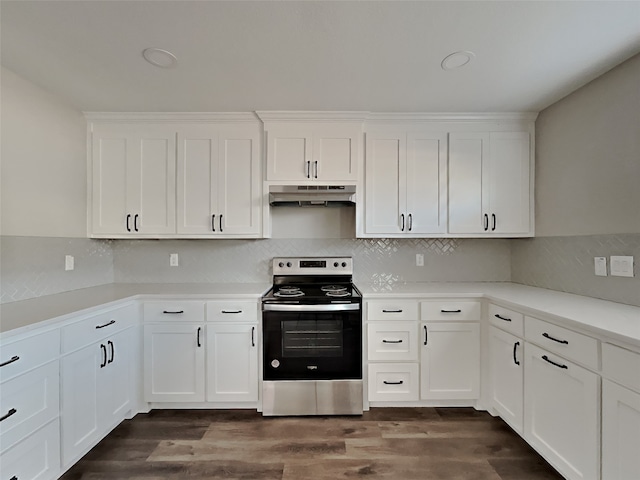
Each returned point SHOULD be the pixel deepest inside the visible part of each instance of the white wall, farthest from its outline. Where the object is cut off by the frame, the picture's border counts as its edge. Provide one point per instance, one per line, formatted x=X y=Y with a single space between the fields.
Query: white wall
x=588 y=158
x=43 y=165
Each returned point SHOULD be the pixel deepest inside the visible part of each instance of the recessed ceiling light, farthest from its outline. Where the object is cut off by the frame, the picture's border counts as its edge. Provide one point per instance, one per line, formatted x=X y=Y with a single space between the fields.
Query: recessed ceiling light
x=457 y=60
x=160 y=58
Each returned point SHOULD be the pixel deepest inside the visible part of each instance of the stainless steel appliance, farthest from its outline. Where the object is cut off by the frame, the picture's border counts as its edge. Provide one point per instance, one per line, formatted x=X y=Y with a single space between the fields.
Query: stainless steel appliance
x=312 y=338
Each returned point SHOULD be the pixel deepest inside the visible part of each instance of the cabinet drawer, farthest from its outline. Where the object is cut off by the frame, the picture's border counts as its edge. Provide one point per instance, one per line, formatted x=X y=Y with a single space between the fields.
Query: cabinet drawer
x=450 y=310
x=97 y=327
x=391 y=382
x=392 y=341
x=508 y=320
x=232 y=311
x=37 y=457
x=29 y=401
x=621 y=365
x=392 y=310
x=23 y=355
x=569 y=344
x=188 y=311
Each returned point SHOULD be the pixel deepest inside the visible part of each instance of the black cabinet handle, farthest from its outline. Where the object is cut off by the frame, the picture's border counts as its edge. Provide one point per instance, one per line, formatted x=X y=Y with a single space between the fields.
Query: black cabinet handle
x=14 y=478
x=410 y=221
x=105 y=324
x=253 y=338
x=493 y=218
x=308 y=169
x=169 y=312
x=110 y=343
x=128 y=219
x=103 y=363
x=198 y=336
x=486 y=222
x=315 y=169
x=11 y=412
x=135 y=222
x=393 y=383
x=15 y=358
x=426 y=335
x=546 y=335
x=220 y=223
x=392 y=311
x=515 y=347
x=546 y=359
x=231 y=311
x=213 y=222
x=451 y=311
x=391 y=341
x=506 y=319
x=402 y=216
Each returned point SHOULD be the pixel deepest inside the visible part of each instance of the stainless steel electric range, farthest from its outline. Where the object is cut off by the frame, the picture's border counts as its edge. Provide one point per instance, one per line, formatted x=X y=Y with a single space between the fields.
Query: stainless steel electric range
x=312 y=338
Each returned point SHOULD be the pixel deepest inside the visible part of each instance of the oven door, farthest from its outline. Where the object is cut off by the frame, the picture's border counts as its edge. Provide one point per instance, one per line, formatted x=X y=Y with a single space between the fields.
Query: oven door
x=312 y=342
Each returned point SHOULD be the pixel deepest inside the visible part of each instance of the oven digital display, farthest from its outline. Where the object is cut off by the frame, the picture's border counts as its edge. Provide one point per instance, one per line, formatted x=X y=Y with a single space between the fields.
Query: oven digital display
x=313 y=263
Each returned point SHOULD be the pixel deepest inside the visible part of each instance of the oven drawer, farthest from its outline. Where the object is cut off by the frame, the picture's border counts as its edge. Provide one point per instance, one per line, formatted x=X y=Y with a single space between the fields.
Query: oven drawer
x=392 y=341
x=392 y=310
x=232 y=311
x=393 y=382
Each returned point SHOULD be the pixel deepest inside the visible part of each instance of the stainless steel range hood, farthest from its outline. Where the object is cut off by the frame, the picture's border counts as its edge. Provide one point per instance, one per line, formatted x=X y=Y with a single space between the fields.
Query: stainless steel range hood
x=312 y=195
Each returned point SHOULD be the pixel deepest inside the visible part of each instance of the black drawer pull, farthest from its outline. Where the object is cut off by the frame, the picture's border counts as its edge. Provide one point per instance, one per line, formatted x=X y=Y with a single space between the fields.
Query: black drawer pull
x=392 y=383
x=231 y=311
x=391 y=311
x=14 y=478
x=450 y=311
x=106 y=324
x=506 y=319
x=15 y=358
x=177 y=312
x=546 y=335
x=515 y=359
x=391 y=341
x=11 y=412
x=545 y=358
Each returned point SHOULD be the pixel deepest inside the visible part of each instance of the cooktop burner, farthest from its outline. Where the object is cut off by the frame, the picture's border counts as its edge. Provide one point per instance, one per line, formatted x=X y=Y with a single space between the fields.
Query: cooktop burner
x=289 y=291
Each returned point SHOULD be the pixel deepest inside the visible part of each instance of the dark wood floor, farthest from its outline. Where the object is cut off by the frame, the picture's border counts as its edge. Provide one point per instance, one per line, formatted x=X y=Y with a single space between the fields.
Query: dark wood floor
x=385 y=443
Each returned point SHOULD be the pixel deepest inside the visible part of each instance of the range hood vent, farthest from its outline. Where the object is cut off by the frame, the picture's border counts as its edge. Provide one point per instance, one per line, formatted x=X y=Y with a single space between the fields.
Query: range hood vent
x=312 y=195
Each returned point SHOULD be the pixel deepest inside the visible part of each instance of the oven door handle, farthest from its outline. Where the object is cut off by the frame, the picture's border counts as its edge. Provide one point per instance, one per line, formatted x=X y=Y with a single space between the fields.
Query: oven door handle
x=330 y=307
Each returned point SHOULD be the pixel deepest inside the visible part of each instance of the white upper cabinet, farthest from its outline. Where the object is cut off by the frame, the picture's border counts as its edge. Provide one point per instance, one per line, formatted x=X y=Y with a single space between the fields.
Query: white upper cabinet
x=307 y=152
x=219 y=183
x=133 y=180
x=489 y=183
x=405 y=185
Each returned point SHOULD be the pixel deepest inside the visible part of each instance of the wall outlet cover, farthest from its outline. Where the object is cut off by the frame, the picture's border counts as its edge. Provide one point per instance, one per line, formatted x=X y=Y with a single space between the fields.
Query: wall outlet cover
x=173 y=259
x=600 y=266
x=419 y=260
x=622 y=266
x=69 y=262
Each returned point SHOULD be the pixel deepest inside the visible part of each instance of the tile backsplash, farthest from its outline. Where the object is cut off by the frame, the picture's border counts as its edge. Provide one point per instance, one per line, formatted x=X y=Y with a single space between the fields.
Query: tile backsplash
x=566 y=264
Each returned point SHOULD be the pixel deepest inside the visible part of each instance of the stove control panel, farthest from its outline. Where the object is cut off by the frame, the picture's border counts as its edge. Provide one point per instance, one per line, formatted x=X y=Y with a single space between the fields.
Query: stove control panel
x=313 y=266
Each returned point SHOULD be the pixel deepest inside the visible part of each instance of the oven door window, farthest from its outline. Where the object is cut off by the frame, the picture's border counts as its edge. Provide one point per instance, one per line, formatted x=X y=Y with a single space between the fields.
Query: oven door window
x=318 y=338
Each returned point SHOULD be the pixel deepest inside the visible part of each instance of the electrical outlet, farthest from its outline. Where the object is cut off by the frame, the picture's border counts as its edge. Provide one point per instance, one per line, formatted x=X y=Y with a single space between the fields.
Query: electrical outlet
x=622 y=266
x=173 y=259
x=601 y=266
x=419 y=260
x=69 y=263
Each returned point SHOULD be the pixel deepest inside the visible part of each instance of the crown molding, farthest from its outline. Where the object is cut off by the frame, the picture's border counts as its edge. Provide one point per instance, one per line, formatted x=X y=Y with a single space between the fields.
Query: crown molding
x=171 y=117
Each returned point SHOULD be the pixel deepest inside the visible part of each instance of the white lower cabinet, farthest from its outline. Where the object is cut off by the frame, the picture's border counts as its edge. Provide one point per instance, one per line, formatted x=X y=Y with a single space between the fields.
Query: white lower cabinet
x=561 y=413
x=37 y=457
x=96 y=393
x=174 y=357
x=232 y=362
x=450 y=361
x=506 y=366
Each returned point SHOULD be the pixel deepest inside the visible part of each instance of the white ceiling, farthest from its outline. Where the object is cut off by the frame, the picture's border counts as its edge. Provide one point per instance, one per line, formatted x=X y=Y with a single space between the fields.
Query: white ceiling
x=379 y=56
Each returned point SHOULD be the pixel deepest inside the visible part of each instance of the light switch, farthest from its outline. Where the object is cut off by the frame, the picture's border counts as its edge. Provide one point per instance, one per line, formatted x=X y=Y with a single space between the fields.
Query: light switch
x=601 y=266
x=173 y=259
x=622 y=266
x=69 y=263
x=419 y=260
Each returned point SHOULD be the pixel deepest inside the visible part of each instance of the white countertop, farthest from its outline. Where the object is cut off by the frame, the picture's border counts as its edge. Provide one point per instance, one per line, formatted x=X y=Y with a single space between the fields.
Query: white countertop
x=18 y=317
x=612 y=320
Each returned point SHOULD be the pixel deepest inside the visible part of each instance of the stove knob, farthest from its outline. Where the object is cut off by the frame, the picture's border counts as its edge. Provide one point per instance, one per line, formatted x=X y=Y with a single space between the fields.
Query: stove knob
x=289 y=264
x=281 y=264
x=344 y=264
x=335 y=264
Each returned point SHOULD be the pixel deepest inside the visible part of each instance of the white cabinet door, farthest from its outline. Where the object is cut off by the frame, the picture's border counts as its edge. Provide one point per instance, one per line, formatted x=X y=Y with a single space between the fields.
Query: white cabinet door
x=450 y=361
x=426 y=183
x=620 y=432
x=289 y=154
x=232 y=362
x=385 y=188
x=114 y=394
x=174 y=362
x=133 y=186
x=335 y=152
x=561 y=413
x=506 y=356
